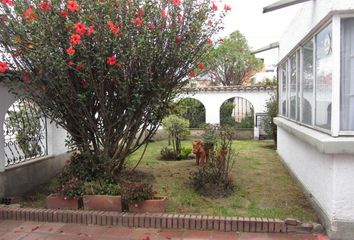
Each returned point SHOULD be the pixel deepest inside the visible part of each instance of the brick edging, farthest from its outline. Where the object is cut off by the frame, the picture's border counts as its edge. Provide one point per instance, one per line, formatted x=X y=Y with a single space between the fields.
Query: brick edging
x=164 y=221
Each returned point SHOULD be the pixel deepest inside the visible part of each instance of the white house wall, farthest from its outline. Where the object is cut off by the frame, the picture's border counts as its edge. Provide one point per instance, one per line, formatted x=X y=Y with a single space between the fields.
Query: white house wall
x=309 y=15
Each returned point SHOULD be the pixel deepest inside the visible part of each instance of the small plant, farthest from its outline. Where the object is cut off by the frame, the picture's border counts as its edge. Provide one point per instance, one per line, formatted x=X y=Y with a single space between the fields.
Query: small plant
x=99 y=188
x=214 y=179
x=185 y=151
x=177 y=128
x=168 y=154
x=71 y=188
x=133 y=192
x=268 y=124
x=210 y=136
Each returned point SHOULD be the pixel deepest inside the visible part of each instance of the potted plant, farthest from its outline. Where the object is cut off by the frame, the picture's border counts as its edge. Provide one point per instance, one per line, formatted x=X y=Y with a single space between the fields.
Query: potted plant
x=141 y=199
x=67 y=196
x=102 y=196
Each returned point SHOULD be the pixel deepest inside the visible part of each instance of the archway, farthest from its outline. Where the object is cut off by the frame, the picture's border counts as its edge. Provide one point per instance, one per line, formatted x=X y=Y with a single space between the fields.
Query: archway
x=237 y=112
x=25 y=132
x=191 y=109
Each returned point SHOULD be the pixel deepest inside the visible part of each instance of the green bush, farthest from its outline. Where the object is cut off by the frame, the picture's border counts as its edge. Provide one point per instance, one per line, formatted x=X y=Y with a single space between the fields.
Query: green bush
x=101 y=188
x=168 y=154
x=185 y=151
x=177 y=128
x=134 y=192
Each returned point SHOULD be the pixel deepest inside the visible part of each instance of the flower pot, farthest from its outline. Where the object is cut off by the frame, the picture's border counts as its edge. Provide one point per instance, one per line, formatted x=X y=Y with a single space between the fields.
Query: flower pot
x=59 y=202
x=102 y=202
x=155 y=205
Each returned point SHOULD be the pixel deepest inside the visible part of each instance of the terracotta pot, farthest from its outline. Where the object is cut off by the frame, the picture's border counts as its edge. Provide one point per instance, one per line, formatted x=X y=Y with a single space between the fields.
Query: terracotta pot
x=156 y=205
x=59 y=202
x=102 y=202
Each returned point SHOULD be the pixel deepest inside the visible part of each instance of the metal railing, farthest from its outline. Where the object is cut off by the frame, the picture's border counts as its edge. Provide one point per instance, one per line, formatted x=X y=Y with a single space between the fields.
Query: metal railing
x=25 y=133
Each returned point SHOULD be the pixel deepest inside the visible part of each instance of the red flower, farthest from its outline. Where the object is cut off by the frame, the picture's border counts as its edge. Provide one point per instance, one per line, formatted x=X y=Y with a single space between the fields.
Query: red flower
x=75 y=39
x=45 y=6
x=210 y=22
x=152 y=26
x=115 y=29
x=91 y=30
x=80 y=28
x=72 y=6
x=163 y=13
x=227 y=8
x=8 y=2
x=84 y=83
x=70 y=50
x=201 y=66
x=64 y=14
x=3 y=67
x=137 y=21
x=26 y=78
x=176 y=2
x=140 y=12
x=29 y=14
x=80 y=67
x=71 y=63
x=112 y=60
x=191 y=74
x=210 y=42
x=214 y=7
x=178 y=39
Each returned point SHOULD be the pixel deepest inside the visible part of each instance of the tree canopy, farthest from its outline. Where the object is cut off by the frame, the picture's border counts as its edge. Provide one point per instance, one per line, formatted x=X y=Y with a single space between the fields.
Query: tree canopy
x=232 y=61
x=104 y=70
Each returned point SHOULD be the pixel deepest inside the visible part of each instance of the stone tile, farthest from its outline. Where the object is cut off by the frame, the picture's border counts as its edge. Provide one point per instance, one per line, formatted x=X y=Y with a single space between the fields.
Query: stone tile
x=36 y=236
x=194 y=235
x=118 y=232
x=27 y=227
x=224 y=235
x=9 y=225
x=13 y=235
x=143 y=233
x=49 y=228
x=171 y=234
x=93 y=231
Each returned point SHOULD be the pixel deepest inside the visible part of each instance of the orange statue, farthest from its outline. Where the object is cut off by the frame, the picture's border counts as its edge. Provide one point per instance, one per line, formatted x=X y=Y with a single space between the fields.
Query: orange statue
x=201 y=153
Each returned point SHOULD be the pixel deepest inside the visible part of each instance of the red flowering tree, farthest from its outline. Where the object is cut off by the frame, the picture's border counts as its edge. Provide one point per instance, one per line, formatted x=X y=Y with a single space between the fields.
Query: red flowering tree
x=104 y=70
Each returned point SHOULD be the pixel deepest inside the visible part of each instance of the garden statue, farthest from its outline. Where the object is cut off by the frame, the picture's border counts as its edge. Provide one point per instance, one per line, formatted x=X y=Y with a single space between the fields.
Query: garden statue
x=201 y=153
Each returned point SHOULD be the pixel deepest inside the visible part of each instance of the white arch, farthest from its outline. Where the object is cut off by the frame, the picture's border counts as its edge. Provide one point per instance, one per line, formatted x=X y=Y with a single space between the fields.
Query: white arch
x=213 y=97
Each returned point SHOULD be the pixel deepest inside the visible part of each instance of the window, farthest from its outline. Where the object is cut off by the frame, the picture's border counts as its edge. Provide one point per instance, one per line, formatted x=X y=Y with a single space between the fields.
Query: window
x=307 y=83
x=292 y=87
x=324 y=65
x=283 y=76
x=347 y=75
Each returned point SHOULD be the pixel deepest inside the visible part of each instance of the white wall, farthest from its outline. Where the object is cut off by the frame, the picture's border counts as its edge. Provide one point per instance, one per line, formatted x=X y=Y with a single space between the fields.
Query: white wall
x=313 y=169
x=55 y=136
x=311 y=13
x=212 y=101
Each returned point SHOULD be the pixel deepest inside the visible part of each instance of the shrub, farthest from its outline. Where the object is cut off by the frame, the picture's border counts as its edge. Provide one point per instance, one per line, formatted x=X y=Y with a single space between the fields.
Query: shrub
x=214 y=179
x=210 y=136
x=268 y=124
x=134 y=192
x=185 y=151
x=105 y=71
x=177 y=128
x=168 y=153
x=101 y=188
x=72 y=188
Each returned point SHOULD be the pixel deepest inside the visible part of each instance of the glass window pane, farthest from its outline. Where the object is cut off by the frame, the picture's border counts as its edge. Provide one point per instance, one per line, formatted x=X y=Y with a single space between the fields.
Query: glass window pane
x=292 y=87
x=307 y=83
x=283 y=90
x=324 y=65
x=347 y=75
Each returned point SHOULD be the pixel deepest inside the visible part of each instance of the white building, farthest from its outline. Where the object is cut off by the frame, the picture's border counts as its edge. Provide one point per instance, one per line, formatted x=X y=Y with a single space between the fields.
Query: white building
x=316 y=109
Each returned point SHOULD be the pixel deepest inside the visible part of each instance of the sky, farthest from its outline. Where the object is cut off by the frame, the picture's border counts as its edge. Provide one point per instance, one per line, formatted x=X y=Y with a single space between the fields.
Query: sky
x=259 y=29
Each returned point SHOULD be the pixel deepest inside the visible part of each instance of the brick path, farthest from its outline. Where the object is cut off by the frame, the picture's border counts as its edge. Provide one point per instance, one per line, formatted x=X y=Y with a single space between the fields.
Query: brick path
x=19 y=230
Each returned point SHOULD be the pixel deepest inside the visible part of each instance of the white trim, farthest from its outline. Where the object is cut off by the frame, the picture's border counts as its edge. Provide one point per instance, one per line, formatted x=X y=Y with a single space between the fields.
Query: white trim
x=336 y=78
x=301 y=75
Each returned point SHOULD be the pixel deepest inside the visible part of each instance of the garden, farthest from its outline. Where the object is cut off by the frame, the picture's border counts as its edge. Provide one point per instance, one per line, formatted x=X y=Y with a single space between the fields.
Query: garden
x=107 y=73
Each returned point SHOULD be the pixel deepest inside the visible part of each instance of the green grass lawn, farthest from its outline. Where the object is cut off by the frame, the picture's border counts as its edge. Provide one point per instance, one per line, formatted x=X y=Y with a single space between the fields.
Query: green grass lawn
x=264 y=187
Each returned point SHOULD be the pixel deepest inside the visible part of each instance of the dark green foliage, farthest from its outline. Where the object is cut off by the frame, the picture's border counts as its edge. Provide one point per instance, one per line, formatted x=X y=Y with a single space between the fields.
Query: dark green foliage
x=268 y=124
x=168 y=154
x=185 y=151
x=101 y=188
x=134 y=192
x=192 y=110
x=226 y=114
x=177 y=128
x=232 y=61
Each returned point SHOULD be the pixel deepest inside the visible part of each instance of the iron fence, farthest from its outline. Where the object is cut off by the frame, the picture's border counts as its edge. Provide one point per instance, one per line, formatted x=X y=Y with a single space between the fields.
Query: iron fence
x=25 y=133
